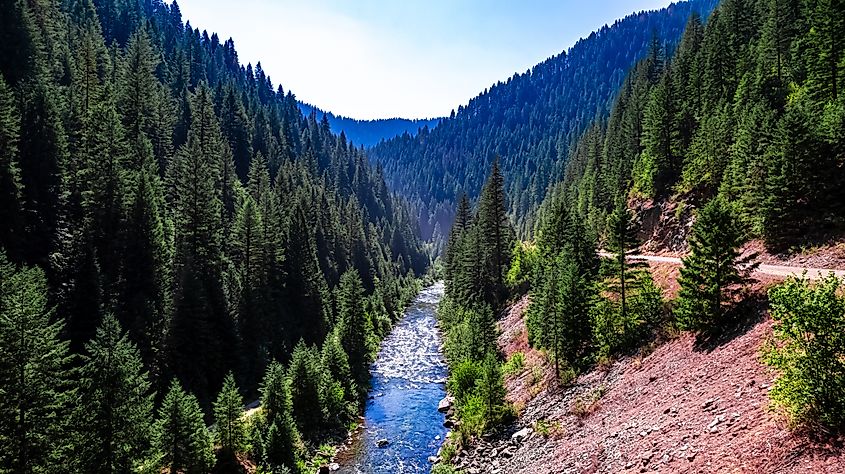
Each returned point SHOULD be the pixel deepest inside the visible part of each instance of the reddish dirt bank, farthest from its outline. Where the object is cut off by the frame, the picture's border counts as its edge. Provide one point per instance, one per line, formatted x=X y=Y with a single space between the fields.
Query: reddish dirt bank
x=682 y=408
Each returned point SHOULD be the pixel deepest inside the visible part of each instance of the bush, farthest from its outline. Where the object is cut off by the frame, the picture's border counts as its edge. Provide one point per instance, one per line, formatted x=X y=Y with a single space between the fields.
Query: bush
x=809 y=351
x=515 y=364
x=444 y=469
x=524 y=262
x=462 y=380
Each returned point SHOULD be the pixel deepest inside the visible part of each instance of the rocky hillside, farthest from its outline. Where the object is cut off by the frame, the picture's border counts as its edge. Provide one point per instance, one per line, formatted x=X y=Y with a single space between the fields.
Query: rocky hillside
x=679 y=406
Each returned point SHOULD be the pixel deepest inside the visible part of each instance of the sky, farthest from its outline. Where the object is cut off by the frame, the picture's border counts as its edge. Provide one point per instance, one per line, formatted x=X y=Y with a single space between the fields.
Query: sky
x=369 y=59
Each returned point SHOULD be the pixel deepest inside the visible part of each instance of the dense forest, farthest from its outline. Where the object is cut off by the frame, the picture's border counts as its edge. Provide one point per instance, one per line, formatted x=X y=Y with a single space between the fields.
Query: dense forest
x=530 y=121
x=169 y=217
x=368 y=133
x=749 y=108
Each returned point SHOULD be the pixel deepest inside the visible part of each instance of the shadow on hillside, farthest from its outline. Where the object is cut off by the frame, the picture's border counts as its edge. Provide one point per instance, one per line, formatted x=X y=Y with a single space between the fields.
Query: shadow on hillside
x=750 y=311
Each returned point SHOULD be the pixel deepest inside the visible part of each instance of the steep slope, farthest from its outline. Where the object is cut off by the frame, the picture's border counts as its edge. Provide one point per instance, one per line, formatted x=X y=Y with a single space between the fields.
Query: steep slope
x=368 y=133
x=680 y=408
x=530 y=120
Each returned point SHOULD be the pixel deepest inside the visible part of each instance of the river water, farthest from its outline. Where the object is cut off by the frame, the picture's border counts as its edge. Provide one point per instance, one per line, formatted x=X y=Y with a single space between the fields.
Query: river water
x=408 y=380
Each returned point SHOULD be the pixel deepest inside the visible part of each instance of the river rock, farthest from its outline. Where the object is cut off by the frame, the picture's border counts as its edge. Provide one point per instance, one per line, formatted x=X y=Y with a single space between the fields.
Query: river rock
x=334 y=467
x=521 y=435
x=382 y=443
x=445 y=404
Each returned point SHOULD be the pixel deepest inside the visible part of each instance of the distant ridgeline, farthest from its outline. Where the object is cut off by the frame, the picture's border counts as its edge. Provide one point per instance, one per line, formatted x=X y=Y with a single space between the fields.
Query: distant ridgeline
x=531 y=121
x=368 y=133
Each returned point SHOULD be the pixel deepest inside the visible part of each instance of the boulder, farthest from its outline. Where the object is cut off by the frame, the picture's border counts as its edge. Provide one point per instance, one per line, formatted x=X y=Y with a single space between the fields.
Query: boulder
x=382 y=443
x=521 y=435
x=334 y=467
x=445 y=404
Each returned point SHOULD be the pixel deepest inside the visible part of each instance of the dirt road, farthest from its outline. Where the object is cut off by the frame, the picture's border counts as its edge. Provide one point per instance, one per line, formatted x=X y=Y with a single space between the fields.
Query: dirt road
x=774 y=270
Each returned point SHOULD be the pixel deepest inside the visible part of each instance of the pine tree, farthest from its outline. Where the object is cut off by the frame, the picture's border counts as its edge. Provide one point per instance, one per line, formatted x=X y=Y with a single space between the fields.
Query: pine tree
x=182 y=440
x=201 y=335
x=33 y=373
x=115 y=406
x=462 y=222
x=304 y=378
x=492 y=388
x=304 y=285
x=497 y=236
x=336 y=363
x=280 y=437
x=43 y=156
x=147 y=282
x=249 y=259
x=11 y=208
x=228 y=416
x=714 y=271
x=622 y=238
x=354 y=326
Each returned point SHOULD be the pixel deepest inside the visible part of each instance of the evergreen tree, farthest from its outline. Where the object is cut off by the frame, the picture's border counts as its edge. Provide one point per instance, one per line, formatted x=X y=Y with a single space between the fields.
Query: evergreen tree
x=463 y=220
x=228 y=417
x=492 y=388
x=354 y=326
x=201 y=335
x=147 y=255
x=11 y=208
x=33 y=374
x=622 y=238
x=304 y=288
x=182 y=440
x=280 y=436
x=336 y=363
x=714 y=271
x=304 y=378
x=497 y=236
x=115 y=406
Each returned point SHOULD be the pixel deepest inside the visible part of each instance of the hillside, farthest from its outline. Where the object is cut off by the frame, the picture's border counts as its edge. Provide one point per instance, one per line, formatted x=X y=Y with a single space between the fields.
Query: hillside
x=678 y=406
x=174 y=230
x=530 y=120
x=368 y=133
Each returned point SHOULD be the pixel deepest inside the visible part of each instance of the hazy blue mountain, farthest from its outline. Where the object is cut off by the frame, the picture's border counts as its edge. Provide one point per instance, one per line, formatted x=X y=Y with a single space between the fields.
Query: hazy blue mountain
x=369 y=132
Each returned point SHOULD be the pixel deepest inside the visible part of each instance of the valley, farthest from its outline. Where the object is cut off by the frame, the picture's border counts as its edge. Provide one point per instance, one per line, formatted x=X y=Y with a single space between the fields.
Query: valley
x=629 y=257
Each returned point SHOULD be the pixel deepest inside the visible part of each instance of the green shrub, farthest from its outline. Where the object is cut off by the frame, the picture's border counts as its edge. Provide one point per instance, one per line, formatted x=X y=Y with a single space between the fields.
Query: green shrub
x=462 y=380
x=448 y=451
x=515 y=364
x=472 y=413
x=808 y=350
x=444 y=469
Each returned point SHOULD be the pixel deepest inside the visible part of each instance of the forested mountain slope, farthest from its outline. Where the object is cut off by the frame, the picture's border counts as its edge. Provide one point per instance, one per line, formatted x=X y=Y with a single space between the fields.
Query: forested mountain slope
x=530 y=120
x=168 y=215
x=368 y=133
x=750 y=108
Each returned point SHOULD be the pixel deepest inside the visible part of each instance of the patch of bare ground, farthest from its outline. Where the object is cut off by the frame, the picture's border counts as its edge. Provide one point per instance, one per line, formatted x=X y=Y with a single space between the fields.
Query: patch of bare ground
x=684 y=407
x=828 y=255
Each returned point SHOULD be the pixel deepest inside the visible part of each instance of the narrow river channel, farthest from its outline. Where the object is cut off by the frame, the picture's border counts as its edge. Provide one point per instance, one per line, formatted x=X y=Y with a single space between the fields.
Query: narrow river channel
x=408 y=380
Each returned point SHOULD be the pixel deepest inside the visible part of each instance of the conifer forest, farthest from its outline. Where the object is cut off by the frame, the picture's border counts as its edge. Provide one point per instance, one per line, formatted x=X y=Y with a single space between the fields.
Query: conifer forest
x=198 y=270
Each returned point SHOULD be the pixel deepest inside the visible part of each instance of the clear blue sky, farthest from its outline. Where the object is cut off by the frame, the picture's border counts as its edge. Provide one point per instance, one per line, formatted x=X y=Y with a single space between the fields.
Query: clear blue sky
x=400 y=58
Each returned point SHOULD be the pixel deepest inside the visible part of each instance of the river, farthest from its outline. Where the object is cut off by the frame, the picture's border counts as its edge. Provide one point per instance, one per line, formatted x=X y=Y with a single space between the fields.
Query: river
x=408 y=380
